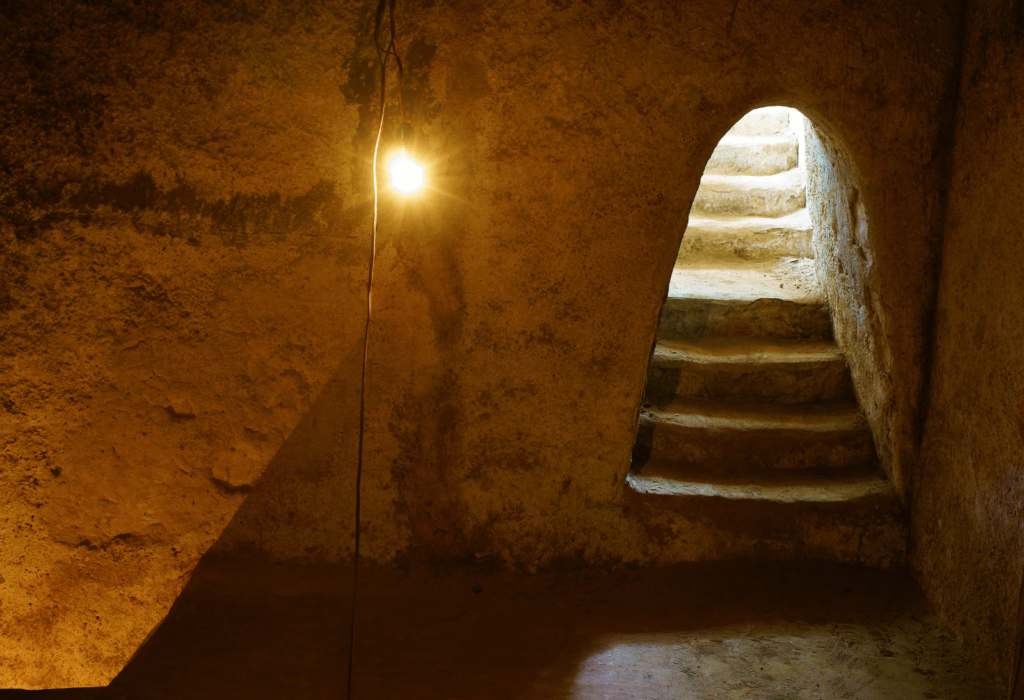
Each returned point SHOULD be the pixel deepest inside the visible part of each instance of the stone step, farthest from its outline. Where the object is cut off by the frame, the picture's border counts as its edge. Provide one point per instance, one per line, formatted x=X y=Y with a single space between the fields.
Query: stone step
x=754 y=155
x=693 y=319
x=753 y=370
x=767 y=121
x=850 y=517
x=722 y=437
x=750 y=195
x=771 y=299
x=792 y=279
x=733 y=238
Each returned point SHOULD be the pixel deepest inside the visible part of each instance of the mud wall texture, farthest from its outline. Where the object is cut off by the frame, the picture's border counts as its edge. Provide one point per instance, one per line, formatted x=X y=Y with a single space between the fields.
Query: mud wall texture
x=181 y=266
x=857 y=249
x=968 y=515
x=185 y=206
x=845 y=252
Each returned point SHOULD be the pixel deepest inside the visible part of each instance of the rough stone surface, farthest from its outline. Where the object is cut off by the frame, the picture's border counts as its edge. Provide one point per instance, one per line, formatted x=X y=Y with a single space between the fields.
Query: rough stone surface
x=969 y=505
x=693 y=319
x=748 y=238
x=180 y=277
x=787 y=279
x=750 y=195
x=748 y=369
x=185 y=209
x=730 y=436
x=750 y=204
x=845 y=251
x=735 y=155
x=760 y=123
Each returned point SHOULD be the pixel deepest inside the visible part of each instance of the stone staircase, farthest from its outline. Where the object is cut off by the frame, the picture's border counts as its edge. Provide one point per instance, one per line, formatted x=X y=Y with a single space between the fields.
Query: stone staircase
x=749 y=421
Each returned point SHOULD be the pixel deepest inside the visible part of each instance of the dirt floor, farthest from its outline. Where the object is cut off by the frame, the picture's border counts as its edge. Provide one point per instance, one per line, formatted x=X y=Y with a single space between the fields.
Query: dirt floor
x=735 y=630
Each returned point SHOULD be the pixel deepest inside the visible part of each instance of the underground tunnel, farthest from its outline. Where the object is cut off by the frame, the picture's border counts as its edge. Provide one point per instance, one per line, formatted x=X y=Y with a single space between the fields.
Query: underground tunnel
x=693 y=369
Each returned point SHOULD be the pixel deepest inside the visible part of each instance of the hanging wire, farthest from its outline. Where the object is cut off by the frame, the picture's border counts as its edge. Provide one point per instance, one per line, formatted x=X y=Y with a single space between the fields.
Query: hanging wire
x=383 y=54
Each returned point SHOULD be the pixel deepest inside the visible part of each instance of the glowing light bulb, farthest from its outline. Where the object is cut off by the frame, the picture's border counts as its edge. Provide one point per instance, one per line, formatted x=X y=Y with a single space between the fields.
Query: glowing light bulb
x=406 y=174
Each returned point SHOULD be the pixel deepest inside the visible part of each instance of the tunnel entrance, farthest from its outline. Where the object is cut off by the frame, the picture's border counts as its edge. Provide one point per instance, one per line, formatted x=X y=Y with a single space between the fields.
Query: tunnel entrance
x=749 y=411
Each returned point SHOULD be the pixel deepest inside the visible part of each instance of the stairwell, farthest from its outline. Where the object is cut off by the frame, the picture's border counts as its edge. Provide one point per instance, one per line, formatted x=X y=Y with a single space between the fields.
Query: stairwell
x=749 y=420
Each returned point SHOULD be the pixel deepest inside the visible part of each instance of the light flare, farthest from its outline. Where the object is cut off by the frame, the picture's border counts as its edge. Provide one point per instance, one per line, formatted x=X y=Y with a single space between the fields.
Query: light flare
x=406 y=174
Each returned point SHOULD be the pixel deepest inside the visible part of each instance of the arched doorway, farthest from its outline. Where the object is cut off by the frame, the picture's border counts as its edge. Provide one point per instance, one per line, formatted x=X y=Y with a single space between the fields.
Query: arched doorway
x=749 y=411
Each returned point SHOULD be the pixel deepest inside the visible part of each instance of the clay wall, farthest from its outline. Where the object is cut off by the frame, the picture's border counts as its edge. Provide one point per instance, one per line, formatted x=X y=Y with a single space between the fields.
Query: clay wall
x=185 y=203
x=182 y=258
x=968 y=508
x=845 y=252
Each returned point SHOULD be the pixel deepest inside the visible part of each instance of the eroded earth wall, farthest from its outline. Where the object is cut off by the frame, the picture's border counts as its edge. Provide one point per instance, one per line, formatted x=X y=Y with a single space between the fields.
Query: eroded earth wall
x=183 y=257
x=846 y=251
x=968 y=516
x=185 y=201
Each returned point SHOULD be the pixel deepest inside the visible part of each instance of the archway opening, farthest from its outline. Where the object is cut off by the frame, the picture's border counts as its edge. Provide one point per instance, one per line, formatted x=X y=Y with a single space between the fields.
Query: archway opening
x=749 y=411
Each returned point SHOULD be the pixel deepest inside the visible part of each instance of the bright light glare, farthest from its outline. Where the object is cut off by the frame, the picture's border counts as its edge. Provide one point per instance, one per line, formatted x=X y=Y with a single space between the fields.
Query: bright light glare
x=406 y=174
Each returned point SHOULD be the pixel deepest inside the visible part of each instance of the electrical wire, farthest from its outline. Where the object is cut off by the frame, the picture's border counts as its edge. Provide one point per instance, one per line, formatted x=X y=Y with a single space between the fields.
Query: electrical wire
x=391 y=50
x=383 y=54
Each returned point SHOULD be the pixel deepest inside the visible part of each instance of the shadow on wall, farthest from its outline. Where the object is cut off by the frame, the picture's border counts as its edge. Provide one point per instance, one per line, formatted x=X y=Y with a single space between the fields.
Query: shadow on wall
x=301 y=509
x=247 y=629
x=303 y=505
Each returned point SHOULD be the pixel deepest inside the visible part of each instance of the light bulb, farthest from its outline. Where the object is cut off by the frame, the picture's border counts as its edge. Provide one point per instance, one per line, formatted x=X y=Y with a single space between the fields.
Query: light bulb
x=406 y=174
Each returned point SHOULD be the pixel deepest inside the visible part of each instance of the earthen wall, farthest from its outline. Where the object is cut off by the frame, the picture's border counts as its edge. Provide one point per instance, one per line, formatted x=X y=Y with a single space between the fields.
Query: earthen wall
x=968 y=502
x=184 y=222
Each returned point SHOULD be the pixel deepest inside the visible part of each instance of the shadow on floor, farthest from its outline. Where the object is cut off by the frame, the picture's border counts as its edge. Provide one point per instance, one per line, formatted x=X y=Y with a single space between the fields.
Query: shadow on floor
x=725 y=630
